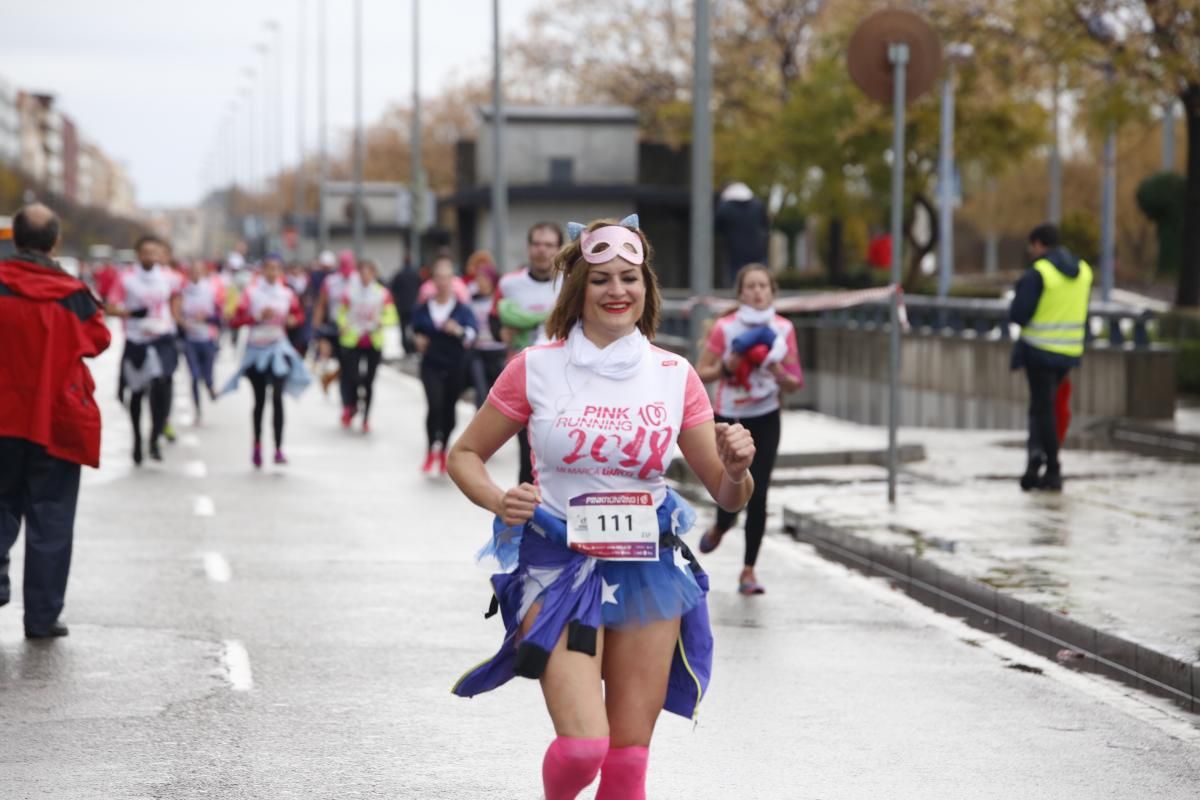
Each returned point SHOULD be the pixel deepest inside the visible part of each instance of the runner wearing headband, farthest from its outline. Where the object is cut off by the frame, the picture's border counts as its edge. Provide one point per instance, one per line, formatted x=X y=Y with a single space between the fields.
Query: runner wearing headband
x=604 y=604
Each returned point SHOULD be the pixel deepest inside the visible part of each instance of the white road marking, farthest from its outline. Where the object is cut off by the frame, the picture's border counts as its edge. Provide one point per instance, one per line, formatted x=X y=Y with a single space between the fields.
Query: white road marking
x=203 y=506
x=195 y=469
x=217 y=568
x=189 y=440
x=236 y=661
x=1160 y=714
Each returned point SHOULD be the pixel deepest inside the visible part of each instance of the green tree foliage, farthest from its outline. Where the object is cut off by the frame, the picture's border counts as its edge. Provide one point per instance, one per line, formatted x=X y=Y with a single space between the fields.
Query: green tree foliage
x=1161 y=198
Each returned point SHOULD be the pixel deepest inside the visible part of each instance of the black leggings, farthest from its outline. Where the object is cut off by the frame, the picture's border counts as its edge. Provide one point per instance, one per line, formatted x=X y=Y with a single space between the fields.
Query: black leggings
x=1043 y=420
x=442 y=388
x=765 y=430
x=260 y=381
x=160 y=404
x=360 y=381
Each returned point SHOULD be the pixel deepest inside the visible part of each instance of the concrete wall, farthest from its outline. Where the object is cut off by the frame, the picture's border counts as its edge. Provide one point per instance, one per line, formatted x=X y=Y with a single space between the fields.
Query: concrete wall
x=950 y=382
x=602 y=153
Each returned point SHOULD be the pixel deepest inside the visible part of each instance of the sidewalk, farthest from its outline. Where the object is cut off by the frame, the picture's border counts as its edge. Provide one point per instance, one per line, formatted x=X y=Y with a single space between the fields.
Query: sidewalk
x=1117 y=550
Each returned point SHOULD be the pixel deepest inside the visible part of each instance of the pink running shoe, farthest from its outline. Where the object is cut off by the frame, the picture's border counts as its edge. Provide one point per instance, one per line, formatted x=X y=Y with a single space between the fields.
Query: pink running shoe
x=430 y=463
x=280 y=458
x=442 y=462
x=257 y=456
x=366 y=427
x=347 y=415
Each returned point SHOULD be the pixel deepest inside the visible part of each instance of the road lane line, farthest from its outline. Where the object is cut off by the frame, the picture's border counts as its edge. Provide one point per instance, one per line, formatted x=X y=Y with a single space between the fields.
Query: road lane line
x=203 y=506
x=195 y=469
x=217 y=568
x=189 y=440
x=237 y=666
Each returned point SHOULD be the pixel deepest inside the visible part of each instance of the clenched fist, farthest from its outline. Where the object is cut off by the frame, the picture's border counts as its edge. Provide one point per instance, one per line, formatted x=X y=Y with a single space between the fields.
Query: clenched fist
x=518 y=503
x=735 y=446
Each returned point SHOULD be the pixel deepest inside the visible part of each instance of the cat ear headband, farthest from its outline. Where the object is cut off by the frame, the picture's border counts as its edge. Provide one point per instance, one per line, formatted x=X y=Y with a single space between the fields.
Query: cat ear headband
x=606 y=243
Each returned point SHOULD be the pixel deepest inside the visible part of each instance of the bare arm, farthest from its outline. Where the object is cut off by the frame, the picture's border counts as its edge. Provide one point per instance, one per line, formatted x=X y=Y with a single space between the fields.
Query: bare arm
x=709 y=368
x=720 y=455
x=488 y=431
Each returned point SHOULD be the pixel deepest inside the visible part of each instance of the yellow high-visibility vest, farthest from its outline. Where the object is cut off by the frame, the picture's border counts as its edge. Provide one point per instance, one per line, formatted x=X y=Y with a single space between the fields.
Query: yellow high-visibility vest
x=1058 y=324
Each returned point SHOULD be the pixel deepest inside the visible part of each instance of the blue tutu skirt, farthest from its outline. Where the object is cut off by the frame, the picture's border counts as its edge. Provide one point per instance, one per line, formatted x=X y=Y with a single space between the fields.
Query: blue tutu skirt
x=580 y=594
x=280 y=359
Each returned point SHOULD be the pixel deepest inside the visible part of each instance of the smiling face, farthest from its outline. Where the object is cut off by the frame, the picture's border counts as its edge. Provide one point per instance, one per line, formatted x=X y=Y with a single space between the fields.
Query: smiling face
x=755 y=289
x=615 y=298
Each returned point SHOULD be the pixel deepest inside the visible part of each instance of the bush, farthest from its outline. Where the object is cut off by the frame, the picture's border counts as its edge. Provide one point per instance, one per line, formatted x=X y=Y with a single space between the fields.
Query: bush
x=1080 y=234
x=1162 y=198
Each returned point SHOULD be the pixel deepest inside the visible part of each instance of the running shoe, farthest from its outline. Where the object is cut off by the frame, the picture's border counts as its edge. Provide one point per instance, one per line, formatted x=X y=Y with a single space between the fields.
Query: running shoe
x=750 y=587
x=347 y=415
x=137 y=453
x=430 y=463
x=256 y=457
x=155 y=453
x=169 y=432
x=441 y=457
x=280 y=458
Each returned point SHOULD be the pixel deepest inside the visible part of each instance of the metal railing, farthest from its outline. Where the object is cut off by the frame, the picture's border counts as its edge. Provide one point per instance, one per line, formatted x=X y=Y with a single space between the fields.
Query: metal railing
x=1118 y=324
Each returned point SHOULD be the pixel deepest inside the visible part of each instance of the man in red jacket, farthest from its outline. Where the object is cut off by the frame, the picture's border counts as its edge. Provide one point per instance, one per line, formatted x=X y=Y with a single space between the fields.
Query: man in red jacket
x=49 y=422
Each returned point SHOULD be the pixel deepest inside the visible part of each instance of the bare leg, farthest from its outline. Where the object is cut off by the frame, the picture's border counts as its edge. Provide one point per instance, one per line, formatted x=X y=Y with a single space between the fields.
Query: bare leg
x=571 y=687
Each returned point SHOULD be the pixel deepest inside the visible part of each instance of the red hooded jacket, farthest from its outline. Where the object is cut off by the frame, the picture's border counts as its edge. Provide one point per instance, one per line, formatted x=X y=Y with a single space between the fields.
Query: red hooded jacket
x=49 y=322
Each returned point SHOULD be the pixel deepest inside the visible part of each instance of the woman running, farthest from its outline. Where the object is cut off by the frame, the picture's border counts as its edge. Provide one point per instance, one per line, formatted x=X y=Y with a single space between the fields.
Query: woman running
x=752 y=353
x=146 y=297
x=365 y=310
x=487 y=357
x=603 y=590
x=443 y=327
x=202 y=310
x=269 y=307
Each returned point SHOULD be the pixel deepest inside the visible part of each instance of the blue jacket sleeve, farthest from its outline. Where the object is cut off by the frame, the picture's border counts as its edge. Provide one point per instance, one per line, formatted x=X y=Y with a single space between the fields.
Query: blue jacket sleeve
x=422 y=322
x=465 y=316
x=1025 y=301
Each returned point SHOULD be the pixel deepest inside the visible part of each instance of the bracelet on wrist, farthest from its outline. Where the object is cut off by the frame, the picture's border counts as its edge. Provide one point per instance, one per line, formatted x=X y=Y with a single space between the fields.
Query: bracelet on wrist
x=730 y=478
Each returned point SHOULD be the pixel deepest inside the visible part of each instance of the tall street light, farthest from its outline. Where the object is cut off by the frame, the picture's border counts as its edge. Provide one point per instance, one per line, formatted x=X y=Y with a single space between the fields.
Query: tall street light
x=499 y=178
x=322 y=157
x=277 y=202
x=298 y=180
x=956 y=53
x=359 y=217
x=417 y=184
x=702 y=180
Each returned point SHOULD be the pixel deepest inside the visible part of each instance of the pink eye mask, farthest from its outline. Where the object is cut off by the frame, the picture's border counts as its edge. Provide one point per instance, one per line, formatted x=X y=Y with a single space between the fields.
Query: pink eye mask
x=604 y=244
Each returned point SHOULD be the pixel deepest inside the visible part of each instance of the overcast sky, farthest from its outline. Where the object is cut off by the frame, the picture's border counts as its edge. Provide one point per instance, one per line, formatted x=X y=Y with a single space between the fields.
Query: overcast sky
x=150 y=80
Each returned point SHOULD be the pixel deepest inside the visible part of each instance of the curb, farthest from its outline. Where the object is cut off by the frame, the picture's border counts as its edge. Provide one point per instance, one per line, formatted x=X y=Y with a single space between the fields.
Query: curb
x=1044 y=632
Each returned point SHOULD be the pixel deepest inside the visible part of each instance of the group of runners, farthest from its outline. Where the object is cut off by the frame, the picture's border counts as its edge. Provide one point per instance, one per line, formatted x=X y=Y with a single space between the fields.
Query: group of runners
x=602 y=600
x=172 y=308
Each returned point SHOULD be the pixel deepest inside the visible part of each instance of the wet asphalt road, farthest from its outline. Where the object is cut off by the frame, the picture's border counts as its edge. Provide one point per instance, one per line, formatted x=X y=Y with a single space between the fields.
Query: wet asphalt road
x=294 y=633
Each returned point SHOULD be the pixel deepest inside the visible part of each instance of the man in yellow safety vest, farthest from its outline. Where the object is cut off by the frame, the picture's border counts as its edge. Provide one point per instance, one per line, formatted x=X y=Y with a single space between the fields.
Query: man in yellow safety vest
x=1051 y=306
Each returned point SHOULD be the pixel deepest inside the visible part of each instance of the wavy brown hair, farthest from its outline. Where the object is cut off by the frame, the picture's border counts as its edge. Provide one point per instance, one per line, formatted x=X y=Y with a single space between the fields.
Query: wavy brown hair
x=570 y=266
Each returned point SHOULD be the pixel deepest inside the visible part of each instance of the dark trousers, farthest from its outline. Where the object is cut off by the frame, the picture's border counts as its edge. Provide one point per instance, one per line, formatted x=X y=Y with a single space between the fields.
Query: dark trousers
x=406 y=337
x=360 y=364
x=260 y=381
x=160 y=407
x=765 y=430
x=483 y=368
x=200 y=358
x=442 y=388
x=346 y=372
x=1043 y=425
x=41 y=490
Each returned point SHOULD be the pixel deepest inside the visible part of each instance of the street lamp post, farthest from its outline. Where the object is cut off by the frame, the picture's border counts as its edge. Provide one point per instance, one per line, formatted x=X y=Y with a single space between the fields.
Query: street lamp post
x=956 y=53
x=701 y=277
x=417 y=184
x=322 y=156
x=359 y=217
x=298 y=179
x=1108 y=203
x=499 y=179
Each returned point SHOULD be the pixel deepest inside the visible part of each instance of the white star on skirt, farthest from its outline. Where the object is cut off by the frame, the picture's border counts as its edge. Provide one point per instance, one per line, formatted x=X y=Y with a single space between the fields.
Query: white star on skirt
x=609 y=593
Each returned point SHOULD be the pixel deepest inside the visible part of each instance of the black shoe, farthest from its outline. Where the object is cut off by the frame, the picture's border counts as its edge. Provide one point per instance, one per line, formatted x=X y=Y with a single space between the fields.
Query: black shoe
x=53 y=632
x=137 y=453
x=1051 y=482
x=155 y=453
x=1031 y=478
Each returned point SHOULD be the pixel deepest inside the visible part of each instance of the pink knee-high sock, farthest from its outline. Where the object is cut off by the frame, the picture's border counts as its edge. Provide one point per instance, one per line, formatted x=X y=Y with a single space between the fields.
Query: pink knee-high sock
x=623 y=776
x=570 y=765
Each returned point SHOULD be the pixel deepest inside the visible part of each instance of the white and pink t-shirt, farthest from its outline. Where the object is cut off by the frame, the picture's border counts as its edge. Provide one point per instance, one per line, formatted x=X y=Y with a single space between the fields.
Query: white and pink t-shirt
x=149 y=289
x=737 y=402
x=260 y=297
x=591 y=433
x=529 y=294
x=202 y=302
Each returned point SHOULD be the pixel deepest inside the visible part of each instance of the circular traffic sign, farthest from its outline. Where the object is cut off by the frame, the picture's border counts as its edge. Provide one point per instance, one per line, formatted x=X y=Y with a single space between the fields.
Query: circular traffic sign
x=870 y=68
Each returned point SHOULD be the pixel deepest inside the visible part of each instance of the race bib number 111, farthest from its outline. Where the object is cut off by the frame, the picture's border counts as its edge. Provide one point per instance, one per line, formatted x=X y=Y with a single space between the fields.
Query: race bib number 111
x=613 y=526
